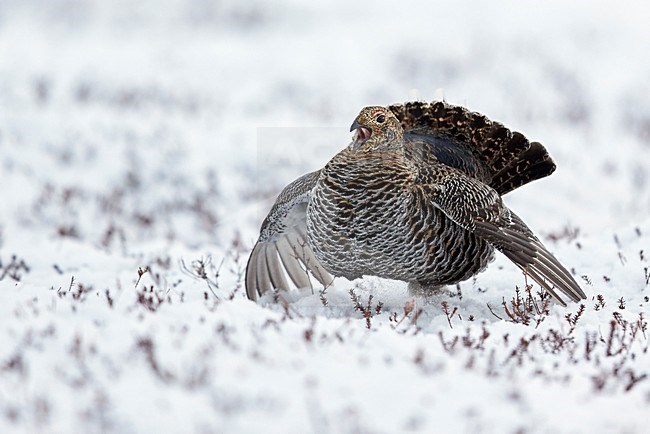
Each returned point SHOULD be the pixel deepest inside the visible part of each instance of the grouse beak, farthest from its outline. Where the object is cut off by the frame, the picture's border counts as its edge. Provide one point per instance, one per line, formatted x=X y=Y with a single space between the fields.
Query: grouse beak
x=355 y=125
x=361 y=134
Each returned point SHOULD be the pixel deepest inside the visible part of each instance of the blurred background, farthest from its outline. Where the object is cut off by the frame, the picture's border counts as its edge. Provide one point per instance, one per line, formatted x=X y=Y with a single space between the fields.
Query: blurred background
x=182 y=119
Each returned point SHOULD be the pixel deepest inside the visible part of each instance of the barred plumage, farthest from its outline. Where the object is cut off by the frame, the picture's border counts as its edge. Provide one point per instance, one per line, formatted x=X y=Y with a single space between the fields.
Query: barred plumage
x=415 y=197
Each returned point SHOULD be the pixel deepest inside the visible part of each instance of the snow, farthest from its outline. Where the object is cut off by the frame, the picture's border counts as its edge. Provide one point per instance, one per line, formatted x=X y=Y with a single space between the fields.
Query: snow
x=141 y=144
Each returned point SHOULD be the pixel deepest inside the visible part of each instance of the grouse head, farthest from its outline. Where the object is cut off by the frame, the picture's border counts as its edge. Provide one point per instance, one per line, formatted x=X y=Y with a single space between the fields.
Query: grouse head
x=375 y=128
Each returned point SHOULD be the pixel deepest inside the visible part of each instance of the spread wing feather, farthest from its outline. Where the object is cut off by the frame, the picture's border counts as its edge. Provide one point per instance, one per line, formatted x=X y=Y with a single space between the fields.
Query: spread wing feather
x=478 y=208
x=282 y=248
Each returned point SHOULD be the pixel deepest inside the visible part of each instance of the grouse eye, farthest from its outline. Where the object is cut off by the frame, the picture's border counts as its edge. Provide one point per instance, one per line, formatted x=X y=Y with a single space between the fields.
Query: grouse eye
x=381 y=119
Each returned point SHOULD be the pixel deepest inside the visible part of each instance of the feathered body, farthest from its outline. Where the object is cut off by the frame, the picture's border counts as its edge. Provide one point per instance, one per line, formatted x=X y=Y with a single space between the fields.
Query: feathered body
x=370 y=216
x=415 y=197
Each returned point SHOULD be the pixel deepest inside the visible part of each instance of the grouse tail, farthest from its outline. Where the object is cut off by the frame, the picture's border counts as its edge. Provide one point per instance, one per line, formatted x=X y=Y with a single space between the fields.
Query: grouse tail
x=508 y=156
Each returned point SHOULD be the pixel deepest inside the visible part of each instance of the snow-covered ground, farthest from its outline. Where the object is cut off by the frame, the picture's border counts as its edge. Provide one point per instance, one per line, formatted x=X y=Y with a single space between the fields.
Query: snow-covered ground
x=142 y=143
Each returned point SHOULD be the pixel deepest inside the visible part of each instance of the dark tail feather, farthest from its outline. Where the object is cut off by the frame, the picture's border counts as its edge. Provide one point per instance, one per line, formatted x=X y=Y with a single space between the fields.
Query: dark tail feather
x=510 y=158
x=531 y=164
